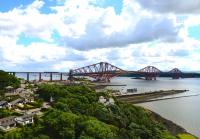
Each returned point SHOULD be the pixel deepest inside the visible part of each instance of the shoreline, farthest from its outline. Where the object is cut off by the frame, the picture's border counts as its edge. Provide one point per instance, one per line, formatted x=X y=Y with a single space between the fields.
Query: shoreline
x=171 y=126
x=136 y=99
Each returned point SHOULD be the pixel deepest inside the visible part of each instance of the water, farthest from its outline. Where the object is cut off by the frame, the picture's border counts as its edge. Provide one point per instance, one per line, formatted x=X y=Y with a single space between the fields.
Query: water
x=183 y=111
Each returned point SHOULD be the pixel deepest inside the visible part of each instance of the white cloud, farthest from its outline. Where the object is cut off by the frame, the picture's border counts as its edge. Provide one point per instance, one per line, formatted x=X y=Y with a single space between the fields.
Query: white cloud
x=173 y=6
x=64 y=66
x=133 y=25
x=37 y=52
x=88 y=34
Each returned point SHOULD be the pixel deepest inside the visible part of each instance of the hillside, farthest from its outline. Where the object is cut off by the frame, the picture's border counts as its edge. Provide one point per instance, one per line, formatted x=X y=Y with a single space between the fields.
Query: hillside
x=78 y=113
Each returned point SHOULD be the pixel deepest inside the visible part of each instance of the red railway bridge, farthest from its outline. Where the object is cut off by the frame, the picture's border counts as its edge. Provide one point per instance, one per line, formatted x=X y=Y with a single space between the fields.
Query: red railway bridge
x=175 y=73
x=104 y=71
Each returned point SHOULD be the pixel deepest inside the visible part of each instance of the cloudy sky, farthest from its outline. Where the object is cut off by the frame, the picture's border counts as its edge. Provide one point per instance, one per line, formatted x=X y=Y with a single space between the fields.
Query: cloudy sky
x=58 y=35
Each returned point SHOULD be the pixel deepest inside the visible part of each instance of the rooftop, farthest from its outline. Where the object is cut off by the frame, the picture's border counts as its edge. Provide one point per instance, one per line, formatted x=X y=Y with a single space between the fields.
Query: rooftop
x=7 y=121
x=9 y=87
x=16 y=101
x=3 y=102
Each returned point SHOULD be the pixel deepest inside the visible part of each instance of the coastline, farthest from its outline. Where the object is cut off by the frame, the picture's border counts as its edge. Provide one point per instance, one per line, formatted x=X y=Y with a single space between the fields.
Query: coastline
x=171 y=126
x=136 y=99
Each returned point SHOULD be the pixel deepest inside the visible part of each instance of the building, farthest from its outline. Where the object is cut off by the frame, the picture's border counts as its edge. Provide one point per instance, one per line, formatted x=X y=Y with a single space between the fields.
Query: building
x=27 y=97
x=19 y=90
x=106 y=102
x=13 y=92
x=3 y=104
x=16 y=102
x=10 y=89
x=25 y=119
x=7 y=123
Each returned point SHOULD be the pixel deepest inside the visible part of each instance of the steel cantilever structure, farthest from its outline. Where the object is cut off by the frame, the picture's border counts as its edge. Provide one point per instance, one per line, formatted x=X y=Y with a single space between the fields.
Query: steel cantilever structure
x=175 y=73
x=102 y=71
x=149 y=72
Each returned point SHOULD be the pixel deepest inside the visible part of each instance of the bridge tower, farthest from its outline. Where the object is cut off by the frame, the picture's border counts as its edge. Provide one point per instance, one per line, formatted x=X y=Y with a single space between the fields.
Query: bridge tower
x=70 y=75
x=149 y=72
x=102 y=71
x=175 y=73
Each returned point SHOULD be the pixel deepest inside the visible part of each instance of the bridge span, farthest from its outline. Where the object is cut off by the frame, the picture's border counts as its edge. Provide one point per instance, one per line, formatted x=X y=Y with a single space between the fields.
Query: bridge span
x=41 y=75
x=103 y=71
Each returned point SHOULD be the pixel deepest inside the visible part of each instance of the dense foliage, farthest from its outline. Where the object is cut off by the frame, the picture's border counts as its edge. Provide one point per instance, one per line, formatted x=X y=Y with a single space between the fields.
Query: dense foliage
x=6 y=113
x=8 y=80
x=77 y=114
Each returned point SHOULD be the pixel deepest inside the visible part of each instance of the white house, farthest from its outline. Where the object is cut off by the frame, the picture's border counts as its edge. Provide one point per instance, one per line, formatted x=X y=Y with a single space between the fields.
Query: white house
x=102 y=100
x=16 y=102
x=25 y=119
x=106 y=102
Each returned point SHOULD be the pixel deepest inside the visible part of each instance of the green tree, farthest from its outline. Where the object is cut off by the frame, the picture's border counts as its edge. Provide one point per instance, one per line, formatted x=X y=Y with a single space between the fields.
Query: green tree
x=97 y=129
x=8 y=80
x=41 y=137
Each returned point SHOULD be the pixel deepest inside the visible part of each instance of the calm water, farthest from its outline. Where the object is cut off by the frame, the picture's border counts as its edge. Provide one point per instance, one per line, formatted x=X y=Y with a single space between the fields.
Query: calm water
x=183 y=111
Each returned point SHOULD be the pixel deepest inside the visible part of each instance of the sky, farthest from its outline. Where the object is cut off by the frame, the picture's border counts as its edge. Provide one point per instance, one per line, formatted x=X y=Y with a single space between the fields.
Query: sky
x=58 y=35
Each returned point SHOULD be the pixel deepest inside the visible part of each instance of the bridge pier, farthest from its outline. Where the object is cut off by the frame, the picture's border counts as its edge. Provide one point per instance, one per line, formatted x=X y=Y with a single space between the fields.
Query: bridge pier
x=150 y=78
x=175 y=77
x=40 y=76
x=51 y=77
x=61 y=76
x=27 y=76
x=70 y=76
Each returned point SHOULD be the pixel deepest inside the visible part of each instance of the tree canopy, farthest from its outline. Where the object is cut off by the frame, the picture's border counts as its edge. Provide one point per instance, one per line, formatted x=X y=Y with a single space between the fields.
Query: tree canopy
x=77 y=114
x=8 y=80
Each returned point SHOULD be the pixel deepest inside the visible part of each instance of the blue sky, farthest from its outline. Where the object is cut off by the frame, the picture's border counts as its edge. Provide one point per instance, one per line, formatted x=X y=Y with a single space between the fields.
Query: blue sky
x=7 y=5
x=194 y=32
x=66 y=34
